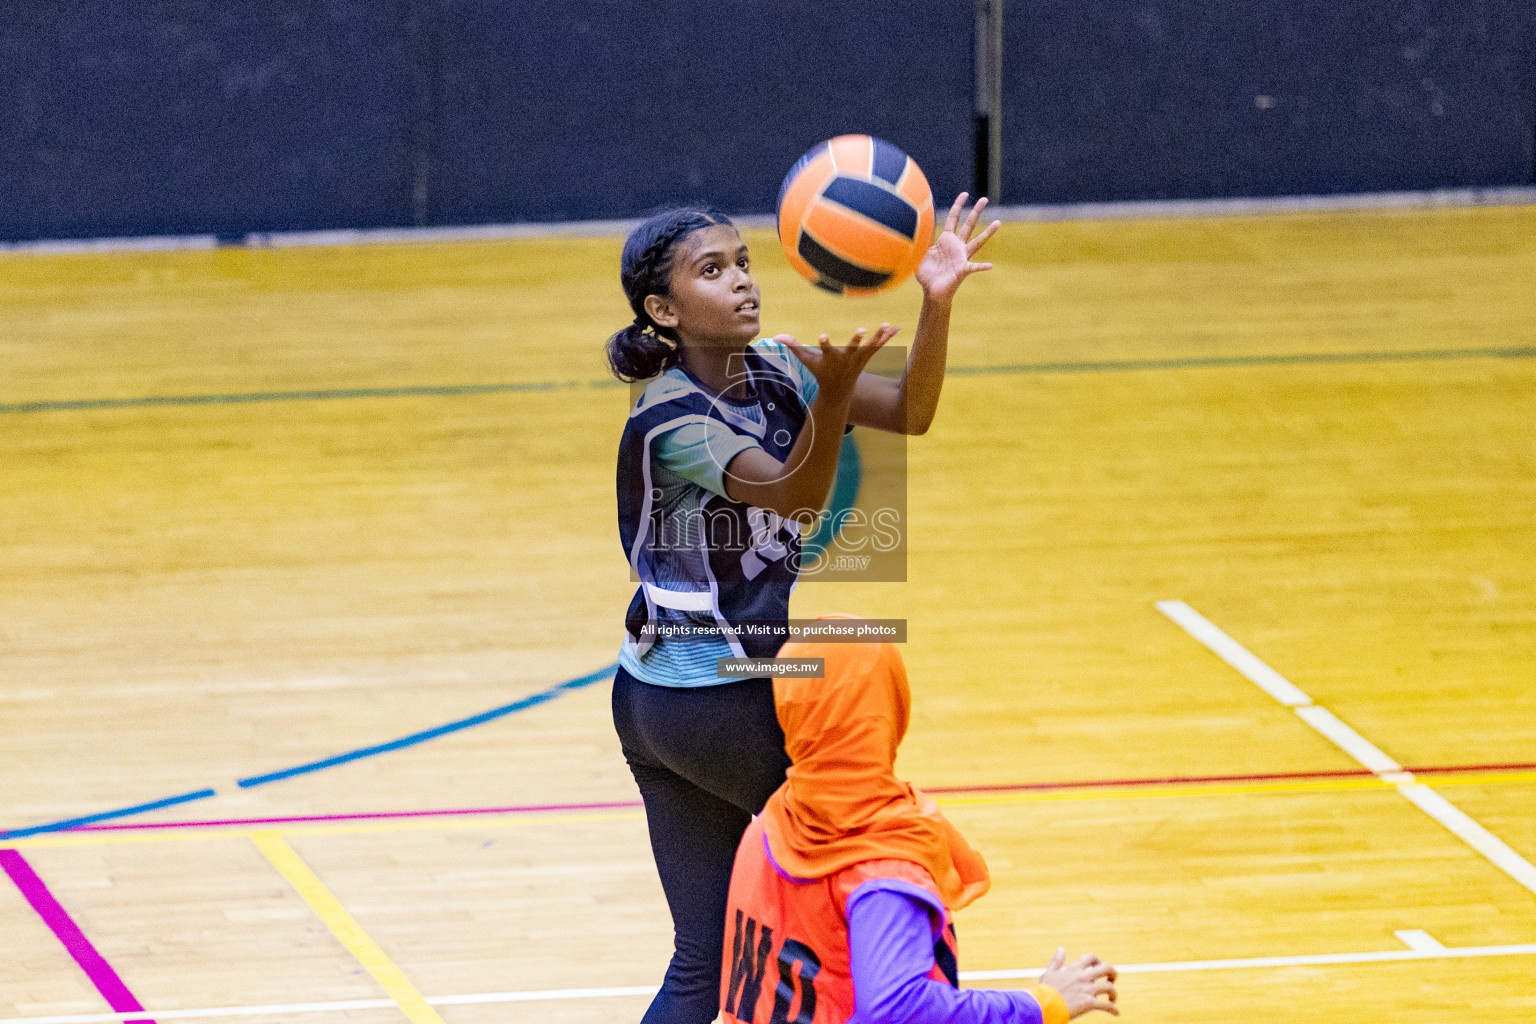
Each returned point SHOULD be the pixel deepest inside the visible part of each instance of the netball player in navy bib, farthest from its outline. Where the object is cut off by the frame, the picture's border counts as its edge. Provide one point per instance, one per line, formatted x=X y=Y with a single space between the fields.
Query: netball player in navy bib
x=729 y=450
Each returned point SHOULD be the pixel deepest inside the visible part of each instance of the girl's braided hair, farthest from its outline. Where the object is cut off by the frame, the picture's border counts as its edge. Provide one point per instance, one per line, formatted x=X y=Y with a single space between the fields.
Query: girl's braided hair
x=645 y=348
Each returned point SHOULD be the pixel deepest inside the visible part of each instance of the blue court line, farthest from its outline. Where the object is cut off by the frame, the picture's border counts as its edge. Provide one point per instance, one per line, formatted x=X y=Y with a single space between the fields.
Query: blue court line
x=313 y=766
x=451 y=390
x=432 y=734
x=121 y=812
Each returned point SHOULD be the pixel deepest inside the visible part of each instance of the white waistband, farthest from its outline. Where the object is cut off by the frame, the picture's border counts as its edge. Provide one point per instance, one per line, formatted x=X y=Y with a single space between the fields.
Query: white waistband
x=681 y=600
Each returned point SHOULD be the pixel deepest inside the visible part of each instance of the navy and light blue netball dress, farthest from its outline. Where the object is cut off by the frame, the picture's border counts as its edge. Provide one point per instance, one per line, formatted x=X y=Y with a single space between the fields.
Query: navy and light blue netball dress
x=714 y=578
x=710 y=569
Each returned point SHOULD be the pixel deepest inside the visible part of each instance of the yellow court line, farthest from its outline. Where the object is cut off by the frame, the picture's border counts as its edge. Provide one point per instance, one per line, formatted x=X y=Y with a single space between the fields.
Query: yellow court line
x=1125 y=793
x=511 y=820
x=344 y=928
x=1227 y=789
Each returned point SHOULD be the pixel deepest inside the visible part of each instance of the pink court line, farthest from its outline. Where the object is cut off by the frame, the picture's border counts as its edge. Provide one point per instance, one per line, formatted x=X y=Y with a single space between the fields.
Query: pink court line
x=1172 y=780
x=1178 y=780
x=67 y=932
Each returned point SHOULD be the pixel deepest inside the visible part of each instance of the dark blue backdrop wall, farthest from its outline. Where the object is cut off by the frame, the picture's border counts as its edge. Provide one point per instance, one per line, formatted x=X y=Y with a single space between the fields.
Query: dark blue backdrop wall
x=191 y=116
x=550 y=115
x=149 y=116
x=1157 y=99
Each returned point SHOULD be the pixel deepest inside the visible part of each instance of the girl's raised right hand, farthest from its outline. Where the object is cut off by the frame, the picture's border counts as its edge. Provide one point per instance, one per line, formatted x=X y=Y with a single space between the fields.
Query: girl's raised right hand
x=837 y=369
x=1087 y=985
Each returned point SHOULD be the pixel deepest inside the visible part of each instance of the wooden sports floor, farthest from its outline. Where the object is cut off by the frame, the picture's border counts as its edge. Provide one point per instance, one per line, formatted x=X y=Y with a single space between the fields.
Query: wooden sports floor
x=263 y=508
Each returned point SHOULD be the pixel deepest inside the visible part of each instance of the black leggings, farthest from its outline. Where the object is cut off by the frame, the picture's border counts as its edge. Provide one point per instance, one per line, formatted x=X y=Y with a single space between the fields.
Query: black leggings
x=706 y=759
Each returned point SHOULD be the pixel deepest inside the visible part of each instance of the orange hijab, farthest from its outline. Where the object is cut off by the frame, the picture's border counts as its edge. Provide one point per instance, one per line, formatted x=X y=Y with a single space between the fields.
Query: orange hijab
x=842 y=802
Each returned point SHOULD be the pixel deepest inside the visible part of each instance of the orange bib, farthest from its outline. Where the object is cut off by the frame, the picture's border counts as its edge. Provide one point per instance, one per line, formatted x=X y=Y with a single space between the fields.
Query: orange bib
x=786 y=941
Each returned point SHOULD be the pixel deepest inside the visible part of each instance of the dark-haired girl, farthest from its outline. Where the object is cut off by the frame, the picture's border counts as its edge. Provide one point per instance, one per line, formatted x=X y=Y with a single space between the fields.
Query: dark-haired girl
x=730 y=449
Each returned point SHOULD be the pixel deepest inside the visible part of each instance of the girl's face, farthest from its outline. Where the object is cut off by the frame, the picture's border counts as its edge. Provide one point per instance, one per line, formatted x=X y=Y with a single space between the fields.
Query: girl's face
x=713 y=299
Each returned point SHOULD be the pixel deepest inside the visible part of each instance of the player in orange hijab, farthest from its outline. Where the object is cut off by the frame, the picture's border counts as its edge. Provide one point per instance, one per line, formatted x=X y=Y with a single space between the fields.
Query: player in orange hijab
x=843 y=887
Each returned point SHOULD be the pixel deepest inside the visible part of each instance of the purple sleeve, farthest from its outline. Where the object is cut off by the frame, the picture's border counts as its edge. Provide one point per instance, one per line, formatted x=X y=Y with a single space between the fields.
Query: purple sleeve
x=890 y=944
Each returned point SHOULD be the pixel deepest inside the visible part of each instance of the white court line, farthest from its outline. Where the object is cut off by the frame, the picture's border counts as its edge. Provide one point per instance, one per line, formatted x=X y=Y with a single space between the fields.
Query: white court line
x=1426 y=949
x=1352 y=743
x=1234 y=653
x=1319 y=959
x=1479 y=838
x=1349 y=741
x=1416 y=938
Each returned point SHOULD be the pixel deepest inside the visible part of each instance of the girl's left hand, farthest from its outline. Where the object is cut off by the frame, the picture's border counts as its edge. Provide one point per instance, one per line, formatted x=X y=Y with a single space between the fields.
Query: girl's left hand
x=948 y=260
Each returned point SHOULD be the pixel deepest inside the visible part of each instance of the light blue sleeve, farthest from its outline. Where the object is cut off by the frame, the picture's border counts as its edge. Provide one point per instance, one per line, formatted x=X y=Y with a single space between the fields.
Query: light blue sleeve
x=780 y=354
x=700 y=452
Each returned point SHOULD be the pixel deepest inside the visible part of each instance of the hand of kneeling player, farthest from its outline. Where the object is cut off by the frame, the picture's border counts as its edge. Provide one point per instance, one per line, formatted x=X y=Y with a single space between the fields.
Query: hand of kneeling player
x=1082 y=984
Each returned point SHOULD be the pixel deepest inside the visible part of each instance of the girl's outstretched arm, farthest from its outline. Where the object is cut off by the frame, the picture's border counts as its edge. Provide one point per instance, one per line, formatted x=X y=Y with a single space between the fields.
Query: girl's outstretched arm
x=797 y=487
x=907 y=406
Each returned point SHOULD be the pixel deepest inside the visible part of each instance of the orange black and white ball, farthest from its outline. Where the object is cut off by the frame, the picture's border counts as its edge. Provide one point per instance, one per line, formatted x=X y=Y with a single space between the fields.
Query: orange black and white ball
x=855 y=215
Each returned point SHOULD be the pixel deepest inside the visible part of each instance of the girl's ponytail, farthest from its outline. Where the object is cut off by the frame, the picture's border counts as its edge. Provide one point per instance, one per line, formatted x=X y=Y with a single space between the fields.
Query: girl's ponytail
x=637 y=352
x=645 y=348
